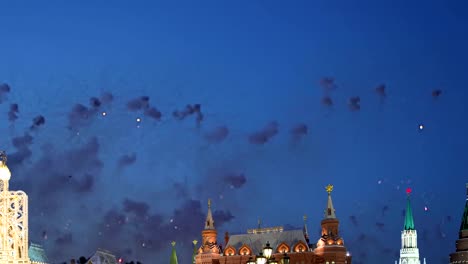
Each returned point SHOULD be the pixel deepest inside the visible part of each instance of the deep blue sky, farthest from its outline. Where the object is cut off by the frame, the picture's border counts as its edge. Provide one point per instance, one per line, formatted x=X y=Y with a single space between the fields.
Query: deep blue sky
x=247 y=63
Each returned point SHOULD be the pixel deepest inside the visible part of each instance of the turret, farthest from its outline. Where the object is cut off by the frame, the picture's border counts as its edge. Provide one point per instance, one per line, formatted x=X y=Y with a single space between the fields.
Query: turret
x=409 y=252
x=330 y=246
x=209 y=234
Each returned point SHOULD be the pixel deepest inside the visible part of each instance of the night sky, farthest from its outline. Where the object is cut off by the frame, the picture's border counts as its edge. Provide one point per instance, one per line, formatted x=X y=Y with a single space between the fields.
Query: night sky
x=293 y=95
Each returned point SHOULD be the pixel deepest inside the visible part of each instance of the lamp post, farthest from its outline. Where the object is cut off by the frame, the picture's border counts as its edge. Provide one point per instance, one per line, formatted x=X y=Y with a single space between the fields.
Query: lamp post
x=268 y=252
x=251 y=261
x=266 y=257
x=260 y=259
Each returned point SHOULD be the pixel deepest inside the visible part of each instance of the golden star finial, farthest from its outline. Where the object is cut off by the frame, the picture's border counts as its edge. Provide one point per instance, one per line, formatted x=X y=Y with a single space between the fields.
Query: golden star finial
x=195 y=242
x=173 y=243
x=209 y=203
x=329 y=188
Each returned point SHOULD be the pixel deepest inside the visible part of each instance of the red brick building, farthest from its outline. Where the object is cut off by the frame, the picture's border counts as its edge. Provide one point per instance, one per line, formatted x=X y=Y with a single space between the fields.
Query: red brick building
x=238 y=249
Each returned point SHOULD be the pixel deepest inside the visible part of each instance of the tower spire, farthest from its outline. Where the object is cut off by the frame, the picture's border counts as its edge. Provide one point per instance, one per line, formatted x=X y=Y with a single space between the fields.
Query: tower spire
x=409 y=221
x=174 y=254
x=194 y=254
x=330 y=211
x=209 y=223
x=464 y=221
x=306 y=232
x=409 y=252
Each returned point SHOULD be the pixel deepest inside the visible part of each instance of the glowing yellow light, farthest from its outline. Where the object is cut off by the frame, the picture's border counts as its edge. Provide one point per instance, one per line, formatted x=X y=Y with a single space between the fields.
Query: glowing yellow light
x=5 y=173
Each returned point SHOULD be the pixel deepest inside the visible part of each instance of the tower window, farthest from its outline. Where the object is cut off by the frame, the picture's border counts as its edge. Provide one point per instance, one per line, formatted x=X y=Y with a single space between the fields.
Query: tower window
x=329 y=211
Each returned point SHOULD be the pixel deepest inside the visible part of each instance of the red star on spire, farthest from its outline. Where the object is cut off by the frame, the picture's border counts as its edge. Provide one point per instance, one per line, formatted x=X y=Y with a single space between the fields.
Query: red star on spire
x=408 y=191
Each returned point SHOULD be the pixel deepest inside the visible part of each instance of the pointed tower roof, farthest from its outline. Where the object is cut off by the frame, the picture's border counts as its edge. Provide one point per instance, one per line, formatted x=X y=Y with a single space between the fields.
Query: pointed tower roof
x=464 y=222
x=209 y=223
x=306 y=232
x=409 y=221
x=174 y=254
x=194 y=254
x=330 y=211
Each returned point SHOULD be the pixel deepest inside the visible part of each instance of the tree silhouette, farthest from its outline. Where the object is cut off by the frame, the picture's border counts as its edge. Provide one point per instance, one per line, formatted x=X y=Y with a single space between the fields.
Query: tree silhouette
x=82 y=260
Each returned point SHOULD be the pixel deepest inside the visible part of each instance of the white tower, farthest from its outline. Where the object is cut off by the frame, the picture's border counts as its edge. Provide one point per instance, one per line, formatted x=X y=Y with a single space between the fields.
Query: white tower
x=13 y=220
x=409 y=252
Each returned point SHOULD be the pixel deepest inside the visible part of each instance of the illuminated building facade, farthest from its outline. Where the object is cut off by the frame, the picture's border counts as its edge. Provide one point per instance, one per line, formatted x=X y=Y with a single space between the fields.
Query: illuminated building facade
x=461 y=253
x=14 y=224
x=276 y=243
x=13 y=220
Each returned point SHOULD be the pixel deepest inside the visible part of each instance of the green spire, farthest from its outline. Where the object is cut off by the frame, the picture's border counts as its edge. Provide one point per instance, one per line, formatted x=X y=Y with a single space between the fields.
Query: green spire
x=174 y=254
x=194 y=254
x=464 y=222
x=409 y=221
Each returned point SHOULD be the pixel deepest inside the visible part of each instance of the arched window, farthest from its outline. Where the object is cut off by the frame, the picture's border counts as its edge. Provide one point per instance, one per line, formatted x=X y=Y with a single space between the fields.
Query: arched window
x=300 y=247
x=282 y=248
x=245 y=250
x=230 y=251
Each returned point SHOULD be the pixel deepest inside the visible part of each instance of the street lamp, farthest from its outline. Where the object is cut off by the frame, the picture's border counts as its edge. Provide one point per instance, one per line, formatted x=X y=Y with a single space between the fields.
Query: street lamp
x=266 y=257
x=260 y=259
x=267 y=250
x=272 y=261
x=251 y=261
x=285 y=259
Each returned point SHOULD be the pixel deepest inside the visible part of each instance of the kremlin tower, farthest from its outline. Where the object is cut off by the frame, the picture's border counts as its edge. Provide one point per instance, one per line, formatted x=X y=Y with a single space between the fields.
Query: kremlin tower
x=461 y=254
x=209 y=249
x=409 y=252
x=330 y=246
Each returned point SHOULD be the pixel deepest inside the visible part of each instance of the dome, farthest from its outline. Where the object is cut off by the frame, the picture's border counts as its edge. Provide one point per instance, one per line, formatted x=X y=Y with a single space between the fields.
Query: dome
x=5 y=173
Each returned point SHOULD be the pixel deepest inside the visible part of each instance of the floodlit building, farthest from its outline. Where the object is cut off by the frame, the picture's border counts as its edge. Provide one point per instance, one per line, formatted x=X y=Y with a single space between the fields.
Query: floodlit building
x=461 y=253
x=274 y=244
x=13 y=220
x=14 y=224
x=409 y=252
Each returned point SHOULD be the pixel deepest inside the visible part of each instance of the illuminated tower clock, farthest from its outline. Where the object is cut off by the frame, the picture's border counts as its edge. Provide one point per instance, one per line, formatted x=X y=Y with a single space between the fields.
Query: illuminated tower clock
x=13 y=220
